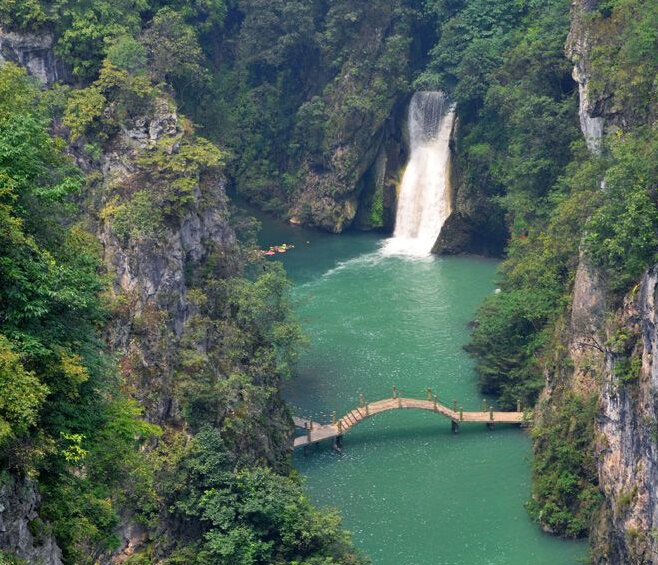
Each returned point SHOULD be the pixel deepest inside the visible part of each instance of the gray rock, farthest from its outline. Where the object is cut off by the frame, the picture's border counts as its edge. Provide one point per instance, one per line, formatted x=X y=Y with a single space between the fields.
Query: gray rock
x=31 y=50
x=19 y=508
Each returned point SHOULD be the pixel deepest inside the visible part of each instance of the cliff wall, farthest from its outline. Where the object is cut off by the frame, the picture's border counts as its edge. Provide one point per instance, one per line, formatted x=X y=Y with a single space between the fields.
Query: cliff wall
x=612 y=348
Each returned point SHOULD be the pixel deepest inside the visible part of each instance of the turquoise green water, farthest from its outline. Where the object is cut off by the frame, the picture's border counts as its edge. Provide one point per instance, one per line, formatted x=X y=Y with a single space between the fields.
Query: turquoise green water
x=411 y=492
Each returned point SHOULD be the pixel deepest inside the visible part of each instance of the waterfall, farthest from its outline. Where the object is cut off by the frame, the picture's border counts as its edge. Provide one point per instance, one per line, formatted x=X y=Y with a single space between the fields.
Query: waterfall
x=424 y=200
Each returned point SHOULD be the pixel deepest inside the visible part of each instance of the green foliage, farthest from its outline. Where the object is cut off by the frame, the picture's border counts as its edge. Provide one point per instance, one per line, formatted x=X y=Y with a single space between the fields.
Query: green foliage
x=565 y=491
x=174 y=51
x=178 y=166
x=306 y=79
x=172 y=171
x=138 y=217
x=376 y=218
x=473 y=36
x=506 y=340
x=22 y=395
x=247 y=516
x=52 y=366
x=127 y=54
x=622 y=235
x=116 y=96
x=625 y=57
x=88 y=32
x=83 y=108
x=24 y=14
x=254 y=345
x=8 y=559
x=628 y=370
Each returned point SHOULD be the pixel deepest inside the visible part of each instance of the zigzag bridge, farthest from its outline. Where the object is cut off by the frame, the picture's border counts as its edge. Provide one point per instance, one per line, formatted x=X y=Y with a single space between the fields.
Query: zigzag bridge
x=315 y=432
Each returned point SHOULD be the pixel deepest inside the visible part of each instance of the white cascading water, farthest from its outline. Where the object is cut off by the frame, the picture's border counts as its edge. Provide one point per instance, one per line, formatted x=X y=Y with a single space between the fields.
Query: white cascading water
x=424 y=200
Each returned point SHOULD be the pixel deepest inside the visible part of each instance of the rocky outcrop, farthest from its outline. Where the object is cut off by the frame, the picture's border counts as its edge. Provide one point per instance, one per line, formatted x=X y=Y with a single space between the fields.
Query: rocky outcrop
x=31 y=50
x=377 y=201
x=150 y=267
x=614 y=357
x=364 y=108
x=627 y=443
x=22 y=533
x=578 y=48
x=475 y=225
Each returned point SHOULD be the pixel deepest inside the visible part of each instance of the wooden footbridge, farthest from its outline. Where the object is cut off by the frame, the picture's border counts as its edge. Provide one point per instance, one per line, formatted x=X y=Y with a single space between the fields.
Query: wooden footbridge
x=315 y=432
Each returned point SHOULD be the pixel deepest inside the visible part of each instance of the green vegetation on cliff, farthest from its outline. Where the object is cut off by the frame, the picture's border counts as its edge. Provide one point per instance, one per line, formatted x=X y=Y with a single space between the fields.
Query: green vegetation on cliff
x=61 y=410
x=520 y=148
x=300 y=97
x=212 y=482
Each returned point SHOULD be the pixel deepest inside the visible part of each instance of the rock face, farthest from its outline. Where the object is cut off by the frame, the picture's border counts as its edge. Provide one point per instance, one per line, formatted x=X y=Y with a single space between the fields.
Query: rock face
x=31 y=50
x=627 y=440
x=474 y=226
x=362 y=168
x=364 y=114
x=150 y=269
x=21 y=532
x=153 y=259
x=578 y=48
x=626 y=428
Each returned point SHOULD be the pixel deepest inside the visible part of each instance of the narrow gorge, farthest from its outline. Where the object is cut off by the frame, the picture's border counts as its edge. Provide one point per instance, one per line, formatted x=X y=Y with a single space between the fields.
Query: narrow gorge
x=218 y=214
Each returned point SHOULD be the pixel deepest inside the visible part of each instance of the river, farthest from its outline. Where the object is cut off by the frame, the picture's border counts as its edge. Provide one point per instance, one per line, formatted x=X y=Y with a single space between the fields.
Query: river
x=411 y=492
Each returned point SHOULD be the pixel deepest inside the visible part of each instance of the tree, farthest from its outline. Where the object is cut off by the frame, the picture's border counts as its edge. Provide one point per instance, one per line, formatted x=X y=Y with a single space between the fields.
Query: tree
x=174 y=51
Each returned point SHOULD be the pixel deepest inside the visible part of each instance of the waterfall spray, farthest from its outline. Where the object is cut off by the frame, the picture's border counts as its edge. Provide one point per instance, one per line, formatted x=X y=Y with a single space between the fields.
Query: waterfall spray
x=424 y=200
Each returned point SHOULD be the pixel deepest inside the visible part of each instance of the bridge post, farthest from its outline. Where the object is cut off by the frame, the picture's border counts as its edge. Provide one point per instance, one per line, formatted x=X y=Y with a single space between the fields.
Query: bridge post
x=333 y=417
x=399 y=402
x=518 y=405
x=454 y=405
x=395 y=392
x=361 y=402
x=429 y=393
x=436 y=401
x=308 y=432
x=367 y=410
x=455 y=427
x=484 y=405
x=461 y=413
x=490 y=423
x=340 y=427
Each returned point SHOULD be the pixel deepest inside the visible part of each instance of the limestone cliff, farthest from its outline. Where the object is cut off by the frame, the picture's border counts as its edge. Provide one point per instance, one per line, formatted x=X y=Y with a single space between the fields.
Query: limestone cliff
x=362 y=106
x=155 y=197
x=627 y=425
x=22 y=533
x=155 y=256
x=579 y=44
x=34 y=51
x=149 y=264
x=612 y=353
x=475 y=224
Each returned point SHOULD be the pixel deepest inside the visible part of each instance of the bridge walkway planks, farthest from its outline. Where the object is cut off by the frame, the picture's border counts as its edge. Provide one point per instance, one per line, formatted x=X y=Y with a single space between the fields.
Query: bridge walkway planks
x=320 y=432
